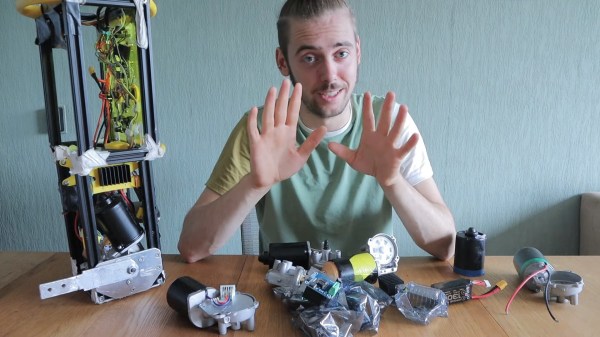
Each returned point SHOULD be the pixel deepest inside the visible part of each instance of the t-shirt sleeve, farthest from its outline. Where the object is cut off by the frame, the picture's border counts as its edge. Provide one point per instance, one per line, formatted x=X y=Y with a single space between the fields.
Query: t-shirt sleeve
x=416 y=166
x=234 y=161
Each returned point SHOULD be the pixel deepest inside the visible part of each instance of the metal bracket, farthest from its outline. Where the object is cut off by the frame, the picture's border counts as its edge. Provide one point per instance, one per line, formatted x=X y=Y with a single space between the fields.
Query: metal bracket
x=117 y=278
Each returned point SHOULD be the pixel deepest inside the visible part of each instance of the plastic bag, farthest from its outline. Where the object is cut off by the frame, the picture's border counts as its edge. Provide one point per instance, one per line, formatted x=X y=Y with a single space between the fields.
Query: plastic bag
x=369 y=300
x=328 y=321
x=421 y=303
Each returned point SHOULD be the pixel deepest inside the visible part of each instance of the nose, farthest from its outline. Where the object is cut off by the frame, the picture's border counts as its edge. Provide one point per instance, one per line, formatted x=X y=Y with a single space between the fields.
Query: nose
x=328 y=70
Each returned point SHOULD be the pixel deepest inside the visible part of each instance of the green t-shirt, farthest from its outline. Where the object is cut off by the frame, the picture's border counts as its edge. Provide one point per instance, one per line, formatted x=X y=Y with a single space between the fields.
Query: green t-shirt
x=326 y=199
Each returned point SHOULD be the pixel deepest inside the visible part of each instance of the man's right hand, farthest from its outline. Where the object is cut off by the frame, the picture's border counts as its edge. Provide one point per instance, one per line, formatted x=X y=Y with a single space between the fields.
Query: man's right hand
x=274 y=154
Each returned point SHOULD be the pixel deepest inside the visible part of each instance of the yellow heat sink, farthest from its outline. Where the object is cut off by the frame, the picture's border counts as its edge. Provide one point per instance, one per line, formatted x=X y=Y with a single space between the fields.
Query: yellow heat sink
x=115 y=177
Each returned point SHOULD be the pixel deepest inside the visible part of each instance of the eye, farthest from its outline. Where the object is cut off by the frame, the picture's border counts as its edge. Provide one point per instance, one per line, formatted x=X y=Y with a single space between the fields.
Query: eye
x=343 y=54
x=309 y=59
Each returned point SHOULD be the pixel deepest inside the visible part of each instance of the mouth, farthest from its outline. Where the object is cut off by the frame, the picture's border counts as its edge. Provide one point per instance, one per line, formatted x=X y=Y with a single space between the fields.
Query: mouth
x=329 y=95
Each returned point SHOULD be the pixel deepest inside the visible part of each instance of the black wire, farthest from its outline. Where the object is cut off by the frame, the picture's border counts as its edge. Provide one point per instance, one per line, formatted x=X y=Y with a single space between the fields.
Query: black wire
x=100 y=130
x=547 y=299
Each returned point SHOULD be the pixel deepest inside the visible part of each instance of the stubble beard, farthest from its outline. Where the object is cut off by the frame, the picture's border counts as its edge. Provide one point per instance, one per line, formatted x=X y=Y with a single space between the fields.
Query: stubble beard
x=315 y=109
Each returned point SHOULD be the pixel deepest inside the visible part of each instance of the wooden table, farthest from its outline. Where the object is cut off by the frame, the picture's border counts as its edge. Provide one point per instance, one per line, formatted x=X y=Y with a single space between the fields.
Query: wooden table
x=147 y=314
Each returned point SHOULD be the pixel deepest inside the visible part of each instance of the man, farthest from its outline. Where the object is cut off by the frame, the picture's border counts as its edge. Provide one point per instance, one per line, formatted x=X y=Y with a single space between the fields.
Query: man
x=359 y=156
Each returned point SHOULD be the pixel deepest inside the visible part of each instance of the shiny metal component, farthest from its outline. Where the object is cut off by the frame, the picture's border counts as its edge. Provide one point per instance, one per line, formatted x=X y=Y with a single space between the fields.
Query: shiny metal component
x=113 y=279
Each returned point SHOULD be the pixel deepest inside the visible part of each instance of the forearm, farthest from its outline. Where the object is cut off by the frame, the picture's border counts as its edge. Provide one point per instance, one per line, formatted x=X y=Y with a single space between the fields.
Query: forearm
x=425 y=215
x=212 y=221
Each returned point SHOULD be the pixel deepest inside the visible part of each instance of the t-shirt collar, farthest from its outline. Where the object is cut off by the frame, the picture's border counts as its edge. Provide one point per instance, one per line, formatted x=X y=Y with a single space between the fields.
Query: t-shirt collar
x=332 y=133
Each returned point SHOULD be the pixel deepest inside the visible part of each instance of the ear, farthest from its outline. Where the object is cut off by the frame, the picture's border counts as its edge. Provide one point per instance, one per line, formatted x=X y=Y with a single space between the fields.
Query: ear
x=358 y=49
x=281 y=63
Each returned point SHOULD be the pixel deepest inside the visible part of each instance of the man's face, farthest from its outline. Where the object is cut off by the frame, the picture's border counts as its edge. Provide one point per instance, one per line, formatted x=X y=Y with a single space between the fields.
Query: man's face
x=323 y=55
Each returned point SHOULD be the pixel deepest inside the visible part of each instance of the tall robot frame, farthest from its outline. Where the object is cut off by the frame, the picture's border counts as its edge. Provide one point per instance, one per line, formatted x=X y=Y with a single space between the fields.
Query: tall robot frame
x=106 y=183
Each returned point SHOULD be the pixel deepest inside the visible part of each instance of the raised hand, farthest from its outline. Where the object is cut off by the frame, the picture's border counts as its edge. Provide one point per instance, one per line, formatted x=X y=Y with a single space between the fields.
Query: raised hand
x=274 y=154
x=378 y=153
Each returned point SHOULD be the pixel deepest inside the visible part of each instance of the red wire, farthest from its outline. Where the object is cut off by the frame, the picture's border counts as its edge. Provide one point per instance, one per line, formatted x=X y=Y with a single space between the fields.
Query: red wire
x=522 y=284
x=127 y=201
x=479 y=282
x=218 y=301
x=102 y=97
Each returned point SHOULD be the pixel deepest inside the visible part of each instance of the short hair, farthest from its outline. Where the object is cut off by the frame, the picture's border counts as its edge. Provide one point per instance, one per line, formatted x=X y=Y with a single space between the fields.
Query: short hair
x=305 y=9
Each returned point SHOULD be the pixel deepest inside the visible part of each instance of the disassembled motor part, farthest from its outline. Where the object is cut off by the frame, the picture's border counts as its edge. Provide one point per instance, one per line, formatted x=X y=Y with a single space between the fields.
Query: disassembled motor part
x=319 y=256
x=299 y=254
x=384 y=249
x=565 y=286
x=113 y=279
x=529 y=260
x=538 y=274
x=380 y=257
x=360 y=267
x=285 y=274
x=205 y=306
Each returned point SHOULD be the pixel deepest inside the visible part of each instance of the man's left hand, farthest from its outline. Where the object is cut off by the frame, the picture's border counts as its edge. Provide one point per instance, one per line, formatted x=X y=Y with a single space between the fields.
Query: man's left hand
x=378 y=153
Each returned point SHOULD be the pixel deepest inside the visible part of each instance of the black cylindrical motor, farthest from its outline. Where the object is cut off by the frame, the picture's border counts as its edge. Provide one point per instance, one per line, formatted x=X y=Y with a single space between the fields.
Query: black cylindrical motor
x=180 y=289
x=116 y=222
x=469 y=253
x=298 y=253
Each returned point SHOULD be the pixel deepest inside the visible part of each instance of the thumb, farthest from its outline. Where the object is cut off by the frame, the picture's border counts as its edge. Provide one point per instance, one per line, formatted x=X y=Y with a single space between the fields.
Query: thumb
x=312 y=142
x=341 y=151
